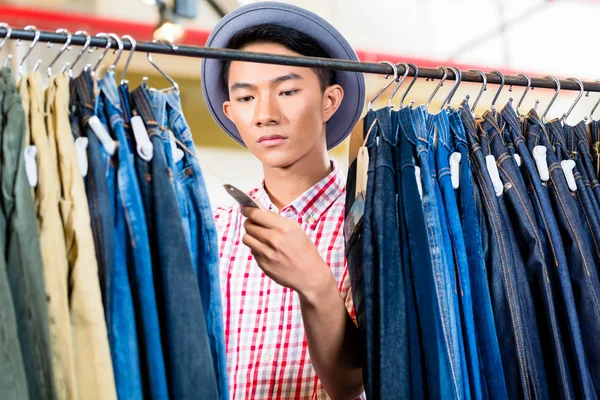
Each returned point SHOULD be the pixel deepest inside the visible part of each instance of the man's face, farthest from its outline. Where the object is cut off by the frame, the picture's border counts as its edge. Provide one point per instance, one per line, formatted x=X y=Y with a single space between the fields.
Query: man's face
x=280 y=111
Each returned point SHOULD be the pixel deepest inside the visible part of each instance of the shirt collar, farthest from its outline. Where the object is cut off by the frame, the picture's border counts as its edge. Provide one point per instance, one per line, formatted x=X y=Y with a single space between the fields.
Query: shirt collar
x=313 y=203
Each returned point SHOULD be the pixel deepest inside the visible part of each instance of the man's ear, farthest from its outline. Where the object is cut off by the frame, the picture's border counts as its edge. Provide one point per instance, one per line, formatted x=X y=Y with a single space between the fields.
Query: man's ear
x=227 y=109
x=332 y=99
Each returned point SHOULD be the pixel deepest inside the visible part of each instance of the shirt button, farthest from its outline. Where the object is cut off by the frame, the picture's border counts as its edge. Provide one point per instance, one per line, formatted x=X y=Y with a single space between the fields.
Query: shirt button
x=311 y=219
x=268 y=356
x=274 y=303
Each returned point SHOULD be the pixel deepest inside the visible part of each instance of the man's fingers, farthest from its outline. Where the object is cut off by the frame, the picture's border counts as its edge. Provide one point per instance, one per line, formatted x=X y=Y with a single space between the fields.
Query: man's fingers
x=256 y=245
x=260 y=217
x=259 y=232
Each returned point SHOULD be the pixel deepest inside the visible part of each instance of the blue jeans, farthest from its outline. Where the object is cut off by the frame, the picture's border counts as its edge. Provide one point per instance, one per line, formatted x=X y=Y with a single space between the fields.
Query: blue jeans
x=392 y=347
x=189 y=360
x=556 y=266
x=133 y=235
x=442 y=155
x=594 y=128
x=577 y=245
x=493 y=385
x=107 y=227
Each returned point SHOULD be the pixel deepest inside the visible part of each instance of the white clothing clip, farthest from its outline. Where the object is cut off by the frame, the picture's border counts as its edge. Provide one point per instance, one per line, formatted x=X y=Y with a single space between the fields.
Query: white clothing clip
x=419 y=181
x=492 y=168
x=144 y=146
x=102 y=134
x=518 y=160
x=539 y=155
x=567 y=167
x=31 y=171
x=455 y=169
x=81 y=144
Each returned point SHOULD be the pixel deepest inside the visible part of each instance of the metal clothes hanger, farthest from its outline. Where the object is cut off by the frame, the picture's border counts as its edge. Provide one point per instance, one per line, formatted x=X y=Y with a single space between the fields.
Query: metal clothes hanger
x=579 y=96
x=131 y=51
x=8 y=29
x=445 y=69
x=591 y=112
x=88 y=40
x=501 y=75
x=415 y=77
x=406 y=71
x=119 y=50
x=36 y=39
x=458 y=78
x=106 y=49
x=382 y=89
x=524 y=93
x=163 y=73
x=483 y=88
x=557 y=82
x=66 y=46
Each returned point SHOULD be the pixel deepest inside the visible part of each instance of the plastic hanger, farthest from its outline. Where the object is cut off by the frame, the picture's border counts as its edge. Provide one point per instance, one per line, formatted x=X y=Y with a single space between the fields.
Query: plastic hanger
x=553 y=97
x=131 y=51
x=386 y=86
x=415 y=77
x=163 y=73
x=444 y=77
x=66 y=46
x=483 y=88
x=406 y=70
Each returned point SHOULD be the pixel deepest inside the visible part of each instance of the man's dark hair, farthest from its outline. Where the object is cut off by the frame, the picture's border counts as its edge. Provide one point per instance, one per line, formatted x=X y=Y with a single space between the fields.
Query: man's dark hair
x=289 y=38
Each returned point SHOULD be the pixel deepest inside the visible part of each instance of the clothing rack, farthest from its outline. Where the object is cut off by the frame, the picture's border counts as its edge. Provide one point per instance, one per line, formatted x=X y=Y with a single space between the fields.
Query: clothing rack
x=311 y=62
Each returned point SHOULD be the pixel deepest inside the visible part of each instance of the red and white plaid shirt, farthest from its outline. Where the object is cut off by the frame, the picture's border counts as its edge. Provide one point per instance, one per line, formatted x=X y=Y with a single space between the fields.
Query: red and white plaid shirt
x=267 y=351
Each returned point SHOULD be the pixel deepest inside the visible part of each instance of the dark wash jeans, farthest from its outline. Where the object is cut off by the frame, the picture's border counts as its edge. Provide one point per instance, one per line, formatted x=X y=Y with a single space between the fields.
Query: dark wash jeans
x=577 y=245
x=501 y=274
x=435 y=356
x=493 y=385
x=188 y=356
x=557 y=272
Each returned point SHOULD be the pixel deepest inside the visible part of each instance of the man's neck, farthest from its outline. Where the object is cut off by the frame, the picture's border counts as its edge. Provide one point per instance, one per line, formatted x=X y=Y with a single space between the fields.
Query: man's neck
x=284 y=185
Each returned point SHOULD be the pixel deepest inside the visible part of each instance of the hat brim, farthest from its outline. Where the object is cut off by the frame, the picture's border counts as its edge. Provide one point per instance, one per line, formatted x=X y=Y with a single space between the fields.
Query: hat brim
x=216 y=93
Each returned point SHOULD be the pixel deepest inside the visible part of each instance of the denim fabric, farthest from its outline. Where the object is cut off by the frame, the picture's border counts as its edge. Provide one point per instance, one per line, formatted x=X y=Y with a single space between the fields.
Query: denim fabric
x=436 y=358
x=416 y=367
x=189 y=360
x=594 y=129
x=442 y=154
x=133 y=235
x=22 y=248
x=530 y=263
x=556 y=274
x=577 y=246
x=203 y=235
x=501 y=274
x=392 y=344
x=487 y=340
x=108 y=226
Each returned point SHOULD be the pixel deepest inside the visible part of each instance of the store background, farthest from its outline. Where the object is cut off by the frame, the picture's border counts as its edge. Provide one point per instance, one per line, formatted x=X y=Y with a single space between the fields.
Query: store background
x=537 y=37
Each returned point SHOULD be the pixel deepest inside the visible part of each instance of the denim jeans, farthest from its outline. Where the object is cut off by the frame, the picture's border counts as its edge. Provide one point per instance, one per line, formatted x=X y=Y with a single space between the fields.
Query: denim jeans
x=594 y=128
x=436 y=358
x=493 y=385
x=392 y=345
x=193 y=197
x=556 y=272
x=133 y=236
x=107 y=219
x=442 y=154
x=577 y=245
x=189 y=360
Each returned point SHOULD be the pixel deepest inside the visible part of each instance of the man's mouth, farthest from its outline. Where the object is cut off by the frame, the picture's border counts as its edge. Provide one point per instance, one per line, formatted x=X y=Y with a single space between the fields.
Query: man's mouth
x=271 y=140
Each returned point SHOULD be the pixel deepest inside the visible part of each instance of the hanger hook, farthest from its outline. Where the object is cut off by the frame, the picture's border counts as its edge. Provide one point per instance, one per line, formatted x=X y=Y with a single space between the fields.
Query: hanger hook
x=406 y=70
x=444 y=77
x=415 y=77
x=501 y=75
x=131 y=51
x=388 y=84
x=88 y=40
x=557 y=82
x=579 y=96
x=591 y=113
x=8 y=30
x=119 y=50
x=458 y=78
x=163 y=73
x=106 y=49
x=483 y=87
x=36 y=39
x=524 y=93
x=66 y=46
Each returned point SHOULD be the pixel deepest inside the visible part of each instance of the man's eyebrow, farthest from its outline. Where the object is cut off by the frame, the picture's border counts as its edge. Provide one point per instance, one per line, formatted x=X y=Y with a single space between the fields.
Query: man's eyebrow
x=289 y=77
x=241 y=85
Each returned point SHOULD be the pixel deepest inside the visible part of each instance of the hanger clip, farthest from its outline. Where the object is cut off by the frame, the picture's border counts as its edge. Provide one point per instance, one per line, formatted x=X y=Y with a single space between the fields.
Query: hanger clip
x=455 y=169
x=176 y=152
x=81 y=144
x=518 y=160
x=567 y=167
x=31 y=171
x=419 y=181
x=539 y=155
x=492 y=168
x=102 y=134
x=145 y=149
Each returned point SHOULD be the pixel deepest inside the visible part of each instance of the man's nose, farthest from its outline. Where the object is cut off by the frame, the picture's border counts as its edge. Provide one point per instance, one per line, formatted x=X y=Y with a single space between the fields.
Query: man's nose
x=267 y=112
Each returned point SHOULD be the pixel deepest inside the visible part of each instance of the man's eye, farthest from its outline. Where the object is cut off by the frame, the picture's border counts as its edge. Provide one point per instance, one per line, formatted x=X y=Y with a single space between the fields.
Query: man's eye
x=245 y=99
x=290 y=92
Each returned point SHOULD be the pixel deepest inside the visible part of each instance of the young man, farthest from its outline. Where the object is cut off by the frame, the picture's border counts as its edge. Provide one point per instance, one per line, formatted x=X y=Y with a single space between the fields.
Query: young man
x=287 y=303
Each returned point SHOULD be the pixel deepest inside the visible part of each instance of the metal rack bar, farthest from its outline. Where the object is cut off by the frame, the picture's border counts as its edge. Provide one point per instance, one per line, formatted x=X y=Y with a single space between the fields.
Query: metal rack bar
x=310 y=62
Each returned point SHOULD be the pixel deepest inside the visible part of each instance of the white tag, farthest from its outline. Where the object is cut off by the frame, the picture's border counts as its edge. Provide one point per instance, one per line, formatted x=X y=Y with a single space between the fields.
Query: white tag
x=102 y=134
x=145 y=149
x=81 y=144
x=518 y=160
x=30 y=165
x=175 y=151
x=492 y=168
x=567 y=167
x=362 y=168
x=419 y=181
x=539 y=155
x=455 y=169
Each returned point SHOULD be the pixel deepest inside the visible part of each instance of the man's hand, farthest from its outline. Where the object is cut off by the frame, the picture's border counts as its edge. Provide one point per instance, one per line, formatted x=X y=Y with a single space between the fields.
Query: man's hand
x=284 y=252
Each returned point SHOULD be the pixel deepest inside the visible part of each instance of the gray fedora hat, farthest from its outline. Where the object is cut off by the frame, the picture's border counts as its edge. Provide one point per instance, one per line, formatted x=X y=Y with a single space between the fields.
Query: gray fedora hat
x=216 y=93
